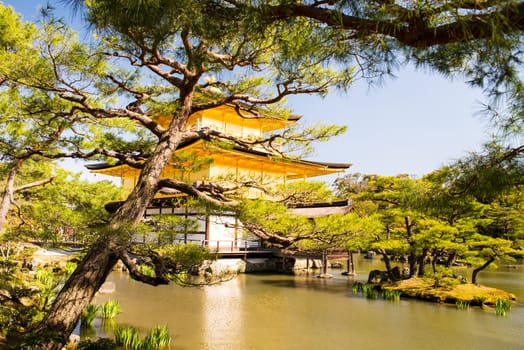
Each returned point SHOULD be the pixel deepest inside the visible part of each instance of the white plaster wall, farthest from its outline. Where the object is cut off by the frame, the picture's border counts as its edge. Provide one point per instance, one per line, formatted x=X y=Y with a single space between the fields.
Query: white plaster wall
x=218 y=231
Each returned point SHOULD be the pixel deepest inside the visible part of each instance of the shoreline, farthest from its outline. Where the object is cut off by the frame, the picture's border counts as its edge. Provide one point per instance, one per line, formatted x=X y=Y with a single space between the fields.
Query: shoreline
x=424 y=289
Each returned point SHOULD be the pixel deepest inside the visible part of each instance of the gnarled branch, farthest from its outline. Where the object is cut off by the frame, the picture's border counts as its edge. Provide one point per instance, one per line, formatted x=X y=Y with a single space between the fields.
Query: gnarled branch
x=414 y=27
x=134 y=272
x=273 y=238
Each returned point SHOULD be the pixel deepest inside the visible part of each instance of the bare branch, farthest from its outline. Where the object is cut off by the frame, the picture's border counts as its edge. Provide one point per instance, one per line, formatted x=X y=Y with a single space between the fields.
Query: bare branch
x=239 y=100
x=19 y=214
x=33 y=184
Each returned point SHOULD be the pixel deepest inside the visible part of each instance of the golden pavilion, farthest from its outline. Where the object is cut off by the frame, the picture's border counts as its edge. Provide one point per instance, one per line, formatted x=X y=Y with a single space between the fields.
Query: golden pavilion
x=202 y=161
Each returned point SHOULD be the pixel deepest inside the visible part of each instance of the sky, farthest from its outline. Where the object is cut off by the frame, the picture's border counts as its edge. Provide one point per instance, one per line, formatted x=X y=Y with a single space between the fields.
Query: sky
x=411 y=124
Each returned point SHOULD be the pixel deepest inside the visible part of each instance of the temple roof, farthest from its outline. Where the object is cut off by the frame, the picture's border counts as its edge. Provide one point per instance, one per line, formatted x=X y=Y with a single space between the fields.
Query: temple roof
x=313 y=210
x=243 y=158
x=242 y=116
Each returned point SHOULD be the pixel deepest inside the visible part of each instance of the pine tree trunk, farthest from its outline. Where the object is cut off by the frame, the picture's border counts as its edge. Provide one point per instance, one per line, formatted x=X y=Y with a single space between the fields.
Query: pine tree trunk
x=76 y=295
x=422 y=262
x=92 y=272
x=351 y=263
x=412 y=258
x=387 y=261
x=476 y=271
x=8 y=193
x=452 y=256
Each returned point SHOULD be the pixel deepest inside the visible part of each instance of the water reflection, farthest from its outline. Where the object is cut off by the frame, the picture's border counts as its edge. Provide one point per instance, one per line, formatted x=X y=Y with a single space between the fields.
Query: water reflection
x=304 y=312
x=221 y=311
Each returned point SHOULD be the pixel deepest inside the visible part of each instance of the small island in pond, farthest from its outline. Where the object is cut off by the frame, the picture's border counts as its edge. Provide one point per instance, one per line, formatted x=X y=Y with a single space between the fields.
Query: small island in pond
x=427 y=289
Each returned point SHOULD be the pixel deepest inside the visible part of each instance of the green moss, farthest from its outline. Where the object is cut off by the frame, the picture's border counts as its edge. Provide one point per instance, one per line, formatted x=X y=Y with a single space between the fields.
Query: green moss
x=424 y=289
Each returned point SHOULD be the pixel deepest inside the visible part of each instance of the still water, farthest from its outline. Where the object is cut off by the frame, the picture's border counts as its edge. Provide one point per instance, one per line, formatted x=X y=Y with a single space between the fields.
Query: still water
x=264 y=311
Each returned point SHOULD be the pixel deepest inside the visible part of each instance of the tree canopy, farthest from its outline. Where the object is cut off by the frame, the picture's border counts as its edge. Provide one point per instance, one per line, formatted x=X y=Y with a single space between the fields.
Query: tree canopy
x=156 y=58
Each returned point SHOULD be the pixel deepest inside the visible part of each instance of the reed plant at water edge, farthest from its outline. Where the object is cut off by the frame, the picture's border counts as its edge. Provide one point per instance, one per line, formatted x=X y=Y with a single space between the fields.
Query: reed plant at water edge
x=391 y=295
x=110 y=309
x=502 y=307
x=158 y=338
x=369 y=291
x=89 y=314
x=356 y=287
x=127 y=338
x=462 y=305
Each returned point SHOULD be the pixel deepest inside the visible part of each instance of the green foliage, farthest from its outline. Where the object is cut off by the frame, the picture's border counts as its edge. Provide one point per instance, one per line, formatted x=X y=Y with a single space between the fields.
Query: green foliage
x=99 y=344
x=70 y=267
x=65 y=209
x=60 y=96
x=147 y=270
x=158 y=338
x=502 y=307
x=299 y=143
x=304 y=192
x=274 y=217
x=110 y=309
x=28 y=294
x=13 y=32
x=391 y=295
x=44 y=277
x=168 y=226
x=356 y=287
x=88 y=315
x=46 y=283
x=443 y=221
x=186 y=256
x=25 y=297
x=462 y=305
x=483 y=249
x=128 y=338
x=368 y=290
x=310 y=234
x=486 y=176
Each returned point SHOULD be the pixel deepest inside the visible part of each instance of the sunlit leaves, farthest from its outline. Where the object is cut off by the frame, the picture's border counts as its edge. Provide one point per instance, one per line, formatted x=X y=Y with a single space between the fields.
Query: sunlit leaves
x=274 y=217
x=444 y=223
x=67 y=203
x=186 y=256
x=300 y=192
x=13 y=33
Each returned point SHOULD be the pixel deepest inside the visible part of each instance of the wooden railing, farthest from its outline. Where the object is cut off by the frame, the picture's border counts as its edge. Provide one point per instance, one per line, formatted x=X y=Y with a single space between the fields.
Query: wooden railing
x=233 y=246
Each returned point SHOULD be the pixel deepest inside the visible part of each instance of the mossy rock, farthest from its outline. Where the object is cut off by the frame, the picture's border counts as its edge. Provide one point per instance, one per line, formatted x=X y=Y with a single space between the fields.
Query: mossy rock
x=424 y=289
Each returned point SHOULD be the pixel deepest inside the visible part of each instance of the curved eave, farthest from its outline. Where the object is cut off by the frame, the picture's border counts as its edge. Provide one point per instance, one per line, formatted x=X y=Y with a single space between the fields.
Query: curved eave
x=117 y=170
x=263 y=161
x=238 y=157
x=227 y=113
x=313 y=210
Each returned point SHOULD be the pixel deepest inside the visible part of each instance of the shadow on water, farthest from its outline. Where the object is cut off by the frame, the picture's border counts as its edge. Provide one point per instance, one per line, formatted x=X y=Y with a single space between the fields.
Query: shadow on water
x=309 y=281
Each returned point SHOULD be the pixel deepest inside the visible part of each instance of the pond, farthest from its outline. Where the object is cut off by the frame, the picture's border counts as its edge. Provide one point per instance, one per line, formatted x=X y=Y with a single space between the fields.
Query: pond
x=269 y=311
